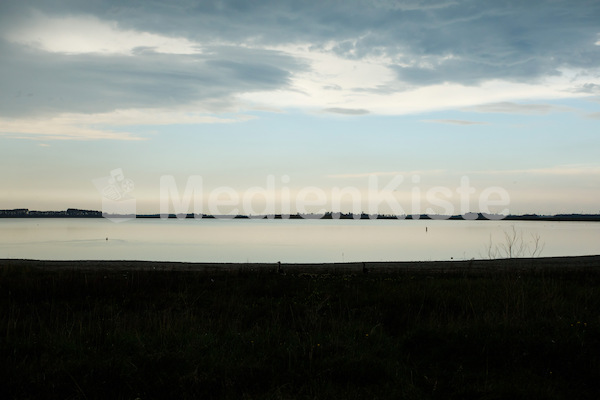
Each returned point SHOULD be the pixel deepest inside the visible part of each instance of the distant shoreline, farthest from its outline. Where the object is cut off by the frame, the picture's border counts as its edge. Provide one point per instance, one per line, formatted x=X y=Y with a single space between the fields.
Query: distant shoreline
x=77 y=213
x=472 y=266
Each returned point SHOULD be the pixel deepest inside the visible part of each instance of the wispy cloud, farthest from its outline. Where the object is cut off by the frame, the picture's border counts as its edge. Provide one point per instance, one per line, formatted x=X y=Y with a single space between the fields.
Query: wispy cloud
x=88 y=34
x=346 y=111
x=78 y=126
x=516 y=108
x=591 y=88
x=387 y=173
x=455 y=122
x=40 y=131
x=595 y=115
x=559 y=170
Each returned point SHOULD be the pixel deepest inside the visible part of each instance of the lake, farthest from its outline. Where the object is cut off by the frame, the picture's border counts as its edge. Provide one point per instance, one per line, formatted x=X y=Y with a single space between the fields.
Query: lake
x=245 y=240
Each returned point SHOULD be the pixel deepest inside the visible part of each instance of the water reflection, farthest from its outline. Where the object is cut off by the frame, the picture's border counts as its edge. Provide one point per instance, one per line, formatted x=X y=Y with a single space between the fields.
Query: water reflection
x=282 y=240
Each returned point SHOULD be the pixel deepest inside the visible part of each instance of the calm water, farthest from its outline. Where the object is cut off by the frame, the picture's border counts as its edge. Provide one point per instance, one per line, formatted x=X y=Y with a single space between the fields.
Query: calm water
x=281 y=240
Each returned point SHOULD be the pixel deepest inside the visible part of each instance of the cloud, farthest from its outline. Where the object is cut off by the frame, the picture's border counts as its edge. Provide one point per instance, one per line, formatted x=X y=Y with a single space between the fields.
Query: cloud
x=33 y=132
x=559 y=170
x=346 y=111
x=426 y=42
x=455 y=122
x=591 y=88
x=514 y=108
x=80 y=126
x=88 y=34
x=595 y=115
x=58 y=128
x=387 y=173
x=472 y=72
x=36 y=82
x=377 y=56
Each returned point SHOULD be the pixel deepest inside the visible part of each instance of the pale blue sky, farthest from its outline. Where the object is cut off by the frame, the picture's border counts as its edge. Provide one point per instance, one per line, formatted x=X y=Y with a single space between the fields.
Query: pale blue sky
x=325 y=93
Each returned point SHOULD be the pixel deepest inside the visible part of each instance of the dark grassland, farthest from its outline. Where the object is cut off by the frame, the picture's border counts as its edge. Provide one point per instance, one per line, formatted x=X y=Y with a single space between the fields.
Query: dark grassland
x=527 y=334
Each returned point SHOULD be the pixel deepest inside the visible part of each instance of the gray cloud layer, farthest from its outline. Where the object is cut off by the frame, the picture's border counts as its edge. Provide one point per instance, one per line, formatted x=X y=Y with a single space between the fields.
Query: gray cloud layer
x=428 y=42
x=37 y=82
x=455 y=122
x=514 y=108
x=346 y=111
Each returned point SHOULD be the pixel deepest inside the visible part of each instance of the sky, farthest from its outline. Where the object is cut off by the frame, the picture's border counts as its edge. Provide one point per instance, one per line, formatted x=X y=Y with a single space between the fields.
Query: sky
x=279 y=100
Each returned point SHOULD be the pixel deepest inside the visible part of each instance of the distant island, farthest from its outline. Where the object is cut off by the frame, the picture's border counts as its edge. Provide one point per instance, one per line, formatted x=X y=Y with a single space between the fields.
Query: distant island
x=78 y=213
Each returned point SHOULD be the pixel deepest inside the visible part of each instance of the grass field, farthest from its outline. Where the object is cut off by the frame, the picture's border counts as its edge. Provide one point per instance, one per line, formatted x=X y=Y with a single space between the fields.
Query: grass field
x=416 y=334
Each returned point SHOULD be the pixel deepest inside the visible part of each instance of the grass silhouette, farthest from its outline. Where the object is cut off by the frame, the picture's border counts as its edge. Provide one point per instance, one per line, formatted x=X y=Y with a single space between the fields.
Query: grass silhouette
x=407 y=334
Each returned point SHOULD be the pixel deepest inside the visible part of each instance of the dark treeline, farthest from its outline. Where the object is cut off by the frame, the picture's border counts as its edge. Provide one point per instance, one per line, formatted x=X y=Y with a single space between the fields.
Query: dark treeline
x=78 y=213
